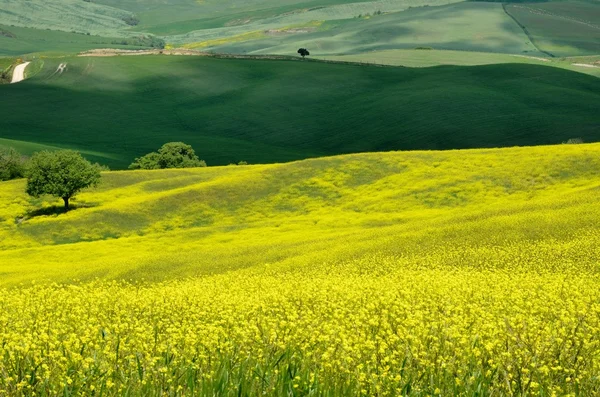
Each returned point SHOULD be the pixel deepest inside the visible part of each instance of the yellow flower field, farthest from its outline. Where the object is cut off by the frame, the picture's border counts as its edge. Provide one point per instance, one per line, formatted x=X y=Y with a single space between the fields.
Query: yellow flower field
x=418 y=273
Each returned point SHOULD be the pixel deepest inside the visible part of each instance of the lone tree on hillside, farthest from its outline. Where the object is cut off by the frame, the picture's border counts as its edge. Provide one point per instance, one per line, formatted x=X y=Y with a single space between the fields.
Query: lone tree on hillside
x=170 y=155
x=304 y=52
x=61 y=174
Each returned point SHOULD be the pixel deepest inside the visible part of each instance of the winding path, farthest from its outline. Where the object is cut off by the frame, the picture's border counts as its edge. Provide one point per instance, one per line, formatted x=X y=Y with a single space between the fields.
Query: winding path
x=19 y=73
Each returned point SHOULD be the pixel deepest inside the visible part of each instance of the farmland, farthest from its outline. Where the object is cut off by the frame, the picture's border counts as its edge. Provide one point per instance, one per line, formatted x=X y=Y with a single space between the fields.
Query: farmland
x=116 y=109
x=425 y=273
x=484 y=27
x=409 y=208
x=430 y=57
x=561 y=28
x=327 y=27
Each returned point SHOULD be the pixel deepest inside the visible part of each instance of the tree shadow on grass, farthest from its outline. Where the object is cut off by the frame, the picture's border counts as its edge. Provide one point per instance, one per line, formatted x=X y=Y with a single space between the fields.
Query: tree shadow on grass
x=53 y=210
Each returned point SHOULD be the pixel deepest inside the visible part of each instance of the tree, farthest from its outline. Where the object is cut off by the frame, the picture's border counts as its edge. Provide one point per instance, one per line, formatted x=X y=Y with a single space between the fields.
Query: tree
x=12 y=164
x=62 y=173
x=170 y=155
x=304 y=52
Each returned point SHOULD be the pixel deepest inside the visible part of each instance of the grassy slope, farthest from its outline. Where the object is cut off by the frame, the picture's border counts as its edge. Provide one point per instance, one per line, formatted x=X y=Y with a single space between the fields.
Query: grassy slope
x=463 y=26
x=269 y=111
x=305 y=18
x=326 y=27
x=566 y=28
x=428 y=58
x=66 y=15
x=29 y=40
x=168 y=17
x=160 y=225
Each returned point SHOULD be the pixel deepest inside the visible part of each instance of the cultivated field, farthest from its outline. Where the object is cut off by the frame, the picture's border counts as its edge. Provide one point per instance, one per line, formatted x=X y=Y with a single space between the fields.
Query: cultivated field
x=326 y=27
x=52 y=42
x=564 y=28
x=422 y=273
x=463 y=26
x=265 y=111
x=430 y=57
x=65 y=15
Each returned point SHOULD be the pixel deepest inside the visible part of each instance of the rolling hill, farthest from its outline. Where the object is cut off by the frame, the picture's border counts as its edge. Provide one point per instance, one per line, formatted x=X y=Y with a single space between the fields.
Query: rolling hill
x=326 y=27
x=263 y=110
x=564 y=28
x=466 y=26
x=167 y=224
x=430 y=57
x=303 y=278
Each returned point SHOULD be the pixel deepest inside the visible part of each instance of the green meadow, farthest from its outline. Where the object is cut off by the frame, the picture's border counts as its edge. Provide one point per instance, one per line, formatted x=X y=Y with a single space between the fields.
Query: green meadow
x=327 y=27
x=430 y=57
x=54 y=42
x=463 y=26
x=565 y=28
x=263 y=111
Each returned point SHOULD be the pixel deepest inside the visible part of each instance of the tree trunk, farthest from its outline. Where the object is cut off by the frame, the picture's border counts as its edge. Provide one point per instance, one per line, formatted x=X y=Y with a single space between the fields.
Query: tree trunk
x=66 y=200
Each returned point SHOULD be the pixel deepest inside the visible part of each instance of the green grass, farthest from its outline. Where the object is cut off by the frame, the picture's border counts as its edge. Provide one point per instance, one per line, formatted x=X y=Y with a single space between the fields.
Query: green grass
x=182 y=16
x=337 y=14
x=427 y=58
x=6 y=62
x=66 y=15
x=264 y=111
x=52 y=42
x=326 y=27
x=564 y=28
x=462 y=26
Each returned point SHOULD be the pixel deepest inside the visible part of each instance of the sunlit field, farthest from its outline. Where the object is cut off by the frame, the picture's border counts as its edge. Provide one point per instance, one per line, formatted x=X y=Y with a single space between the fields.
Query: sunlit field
x=405 y=273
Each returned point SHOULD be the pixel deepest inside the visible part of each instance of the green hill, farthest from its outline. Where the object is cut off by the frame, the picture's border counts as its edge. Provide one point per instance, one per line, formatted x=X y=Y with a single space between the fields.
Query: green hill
x=466 y=26
x=326 y=27
x=264 y=111
x=430 y=57
x=560 y=28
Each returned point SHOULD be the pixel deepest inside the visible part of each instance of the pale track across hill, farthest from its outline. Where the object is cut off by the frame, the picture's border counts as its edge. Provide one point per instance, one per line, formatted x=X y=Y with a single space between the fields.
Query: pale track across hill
x=19 y=73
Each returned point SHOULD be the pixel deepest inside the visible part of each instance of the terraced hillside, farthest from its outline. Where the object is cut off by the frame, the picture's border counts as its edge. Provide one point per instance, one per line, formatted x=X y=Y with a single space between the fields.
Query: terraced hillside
x=264 y=111
x=327 y=276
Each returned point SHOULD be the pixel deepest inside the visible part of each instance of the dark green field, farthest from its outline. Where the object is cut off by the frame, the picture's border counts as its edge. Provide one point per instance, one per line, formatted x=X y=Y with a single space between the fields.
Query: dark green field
x=263 y=111
x=17 y=41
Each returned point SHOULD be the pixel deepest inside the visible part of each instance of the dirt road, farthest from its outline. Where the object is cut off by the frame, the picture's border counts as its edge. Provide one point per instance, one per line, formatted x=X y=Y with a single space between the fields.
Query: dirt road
x=19 y=73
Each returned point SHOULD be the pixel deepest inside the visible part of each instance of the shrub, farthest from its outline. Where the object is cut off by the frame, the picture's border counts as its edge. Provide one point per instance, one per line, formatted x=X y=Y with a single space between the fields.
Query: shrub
x=12 y=164
x=170 y=155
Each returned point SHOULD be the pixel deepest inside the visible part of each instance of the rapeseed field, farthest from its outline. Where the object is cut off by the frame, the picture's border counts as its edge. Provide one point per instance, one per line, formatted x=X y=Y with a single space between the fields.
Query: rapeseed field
x=408 y=273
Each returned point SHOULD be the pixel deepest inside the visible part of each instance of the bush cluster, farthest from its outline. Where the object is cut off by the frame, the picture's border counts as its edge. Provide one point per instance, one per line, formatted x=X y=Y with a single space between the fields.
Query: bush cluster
x=170 y=155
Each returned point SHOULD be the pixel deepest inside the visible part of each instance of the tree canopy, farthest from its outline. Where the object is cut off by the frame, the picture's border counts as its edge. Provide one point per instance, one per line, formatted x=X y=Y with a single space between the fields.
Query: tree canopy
x=170 y=155
x=12 y=164
x=304 y=52
x=62 y=173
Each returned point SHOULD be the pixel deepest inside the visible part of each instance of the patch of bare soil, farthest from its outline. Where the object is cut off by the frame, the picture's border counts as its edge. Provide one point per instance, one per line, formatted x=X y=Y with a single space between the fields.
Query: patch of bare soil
x=276 y=32
x=585 y=65
x=110 y=52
